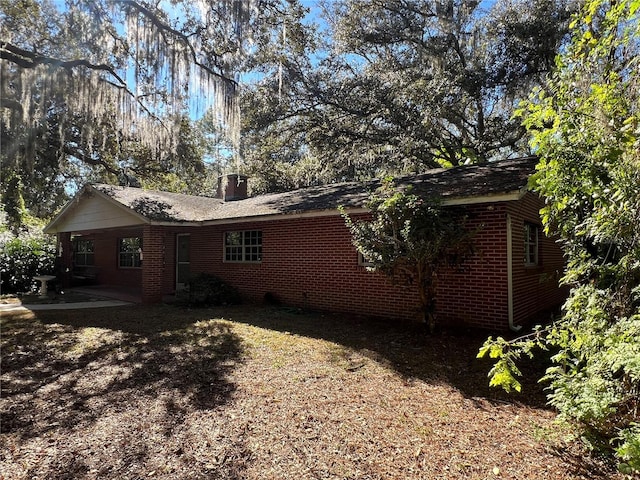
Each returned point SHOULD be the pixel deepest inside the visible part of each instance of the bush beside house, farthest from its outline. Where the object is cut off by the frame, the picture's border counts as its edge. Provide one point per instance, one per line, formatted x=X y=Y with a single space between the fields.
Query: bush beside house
x=23 y=257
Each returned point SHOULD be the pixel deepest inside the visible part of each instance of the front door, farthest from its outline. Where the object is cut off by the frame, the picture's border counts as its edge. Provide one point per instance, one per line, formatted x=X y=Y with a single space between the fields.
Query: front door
x=182 y=261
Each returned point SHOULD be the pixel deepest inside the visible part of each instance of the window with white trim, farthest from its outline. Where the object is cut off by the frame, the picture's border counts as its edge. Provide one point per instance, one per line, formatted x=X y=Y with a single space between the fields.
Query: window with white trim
x=531 y=234
x=83 y=252
x=243 y=246
x=130 y=252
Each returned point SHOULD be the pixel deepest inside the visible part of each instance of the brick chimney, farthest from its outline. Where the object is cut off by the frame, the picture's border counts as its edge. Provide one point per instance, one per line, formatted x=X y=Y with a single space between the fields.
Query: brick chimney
x=232 y=187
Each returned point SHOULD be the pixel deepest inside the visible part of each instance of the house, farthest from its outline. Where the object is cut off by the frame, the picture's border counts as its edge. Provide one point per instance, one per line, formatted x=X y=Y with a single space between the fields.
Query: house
x=295 y=246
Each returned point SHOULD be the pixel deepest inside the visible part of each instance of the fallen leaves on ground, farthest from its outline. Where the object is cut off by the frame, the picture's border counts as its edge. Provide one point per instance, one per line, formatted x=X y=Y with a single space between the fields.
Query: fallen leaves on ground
x=253 y=393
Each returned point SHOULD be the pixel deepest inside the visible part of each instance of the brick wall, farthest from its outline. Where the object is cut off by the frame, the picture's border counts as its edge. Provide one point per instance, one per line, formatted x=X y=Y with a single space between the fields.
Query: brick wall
x=535 y=289
x=310 y=262
x=106 y=259
x=154 y=263
x=476 y=292
x=306 y=262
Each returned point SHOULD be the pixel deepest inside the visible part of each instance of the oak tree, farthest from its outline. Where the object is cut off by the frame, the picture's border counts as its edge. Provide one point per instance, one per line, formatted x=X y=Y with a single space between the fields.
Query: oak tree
x=401 y=86
x=89 y=87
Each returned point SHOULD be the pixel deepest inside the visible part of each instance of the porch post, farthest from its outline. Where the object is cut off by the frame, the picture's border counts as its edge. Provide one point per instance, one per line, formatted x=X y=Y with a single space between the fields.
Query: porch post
x=64 y=259
x=152 y=264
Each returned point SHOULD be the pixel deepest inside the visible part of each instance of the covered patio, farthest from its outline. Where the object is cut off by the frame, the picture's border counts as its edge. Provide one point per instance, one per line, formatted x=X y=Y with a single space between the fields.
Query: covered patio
x=113 y=292
x=111 y=250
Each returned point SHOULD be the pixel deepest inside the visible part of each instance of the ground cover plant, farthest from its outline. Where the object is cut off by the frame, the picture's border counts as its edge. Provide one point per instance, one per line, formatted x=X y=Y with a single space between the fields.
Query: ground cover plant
x=249 y=392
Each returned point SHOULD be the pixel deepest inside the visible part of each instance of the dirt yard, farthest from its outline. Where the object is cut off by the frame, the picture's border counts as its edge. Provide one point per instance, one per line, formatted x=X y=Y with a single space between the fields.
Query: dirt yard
x=263 y=393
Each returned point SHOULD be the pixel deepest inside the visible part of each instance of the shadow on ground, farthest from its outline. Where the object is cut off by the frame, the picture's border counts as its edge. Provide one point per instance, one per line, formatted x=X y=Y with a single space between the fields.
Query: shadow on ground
x=448 y=356
x=83 y=374
x=145 y=391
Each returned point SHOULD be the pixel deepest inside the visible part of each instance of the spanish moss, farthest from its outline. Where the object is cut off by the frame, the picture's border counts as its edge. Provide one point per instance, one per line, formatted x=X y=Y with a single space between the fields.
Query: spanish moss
x=131 y=63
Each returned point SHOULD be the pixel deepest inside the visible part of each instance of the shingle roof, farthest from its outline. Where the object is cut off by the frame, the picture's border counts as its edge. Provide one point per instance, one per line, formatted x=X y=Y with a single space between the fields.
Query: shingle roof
x=469 y=181
x=163 y=206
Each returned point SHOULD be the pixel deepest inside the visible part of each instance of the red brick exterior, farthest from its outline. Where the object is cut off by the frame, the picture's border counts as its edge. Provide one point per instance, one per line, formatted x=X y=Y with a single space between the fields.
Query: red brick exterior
x=535 y=289
x=476 y=292
x=310 y=262
x=154 y=264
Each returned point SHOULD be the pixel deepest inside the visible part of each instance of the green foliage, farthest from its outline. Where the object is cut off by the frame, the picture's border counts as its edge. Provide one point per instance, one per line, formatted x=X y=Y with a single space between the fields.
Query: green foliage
x=595 y=378
x=504 y=372
x=22 y=258
x=206 y=289
x=13 y=202
x=586 y=128
x=629 y=450
x=396 y=87
x=409 y=238
x=91 y=87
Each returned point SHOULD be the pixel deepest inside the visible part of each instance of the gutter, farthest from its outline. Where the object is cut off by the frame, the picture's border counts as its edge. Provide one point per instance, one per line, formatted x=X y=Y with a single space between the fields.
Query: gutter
x=512 y=327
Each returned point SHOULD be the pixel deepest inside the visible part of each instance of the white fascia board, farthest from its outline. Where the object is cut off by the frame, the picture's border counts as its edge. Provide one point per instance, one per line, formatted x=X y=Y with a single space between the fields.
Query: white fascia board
x=116 y=203
x=49 y=228
x=503 y=197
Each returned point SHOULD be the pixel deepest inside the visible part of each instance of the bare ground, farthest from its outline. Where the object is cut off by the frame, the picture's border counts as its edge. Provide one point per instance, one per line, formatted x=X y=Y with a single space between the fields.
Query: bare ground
x=263 y=393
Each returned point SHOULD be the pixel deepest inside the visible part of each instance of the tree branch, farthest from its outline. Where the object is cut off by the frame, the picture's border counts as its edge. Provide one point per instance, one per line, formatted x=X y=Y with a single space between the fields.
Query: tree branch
x=83 y=157
x=163 y=27
x=28 y=59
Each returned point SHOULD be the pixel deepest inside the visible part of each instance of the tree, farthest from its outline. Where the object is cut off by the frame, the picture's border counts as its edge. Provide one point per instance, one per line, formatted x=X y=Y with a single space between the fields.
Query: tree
x=141 y=60
x=87 y=86
x=403 y=85
x=410 y=238
x=276 y=149
x=585 y=126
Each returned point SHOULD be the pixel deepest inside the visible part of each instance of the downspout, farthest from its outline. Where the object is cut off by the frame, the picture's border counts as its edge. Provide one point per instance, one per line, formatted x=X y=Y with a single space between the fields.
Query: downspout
x=514 y=328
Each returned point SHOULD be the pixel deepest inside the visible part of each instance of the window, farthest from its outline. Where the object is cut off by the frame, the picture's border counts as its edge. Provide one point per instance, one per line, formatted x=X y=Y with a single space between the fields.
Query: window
x=130 y=252
x=243 y=246
x=363 y=261
x=83 y=255
x=530 y=244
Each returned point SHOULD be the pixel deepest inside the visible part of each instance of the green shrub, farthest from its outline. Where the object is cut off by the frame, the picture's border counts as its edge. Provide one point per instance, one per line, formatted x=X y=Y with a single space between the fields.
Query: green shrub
x=629 y=450
x=206 y=289
x=586 y=134
x=22 y=258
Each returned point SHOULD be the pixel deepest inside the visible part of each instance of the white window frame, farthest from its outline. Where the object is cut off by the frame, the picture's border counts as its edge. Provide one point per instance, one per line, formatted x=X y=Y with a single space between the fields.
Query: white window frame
x=133 y=253
x=531 y=244
x=242 y=246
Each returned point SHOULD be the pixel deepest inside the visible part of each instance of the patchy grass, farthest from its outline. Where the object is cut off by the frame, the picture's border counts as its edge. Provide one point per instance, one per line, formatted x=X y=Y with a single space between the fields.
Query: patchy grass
x=247 y=392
